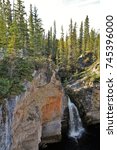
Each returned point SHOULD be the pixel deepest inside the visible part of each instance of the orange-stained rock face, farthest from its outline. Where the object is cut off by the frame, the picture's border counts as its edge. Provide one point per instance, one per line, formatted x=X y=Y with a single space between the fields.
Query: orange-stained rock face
x=52 y=109
x=38 y=114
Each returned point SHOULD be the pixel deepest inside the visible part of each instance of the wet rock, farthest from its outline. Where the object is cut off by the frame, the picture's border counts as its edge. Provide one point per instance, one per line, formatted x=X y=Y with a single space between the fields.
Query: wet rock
x=87 y=100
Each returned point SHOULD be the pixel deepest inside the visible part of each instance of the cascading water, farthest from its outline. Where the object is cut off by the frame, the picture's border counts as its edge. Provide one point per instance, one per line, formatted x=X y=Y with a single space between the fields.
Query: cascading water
x=75 y=124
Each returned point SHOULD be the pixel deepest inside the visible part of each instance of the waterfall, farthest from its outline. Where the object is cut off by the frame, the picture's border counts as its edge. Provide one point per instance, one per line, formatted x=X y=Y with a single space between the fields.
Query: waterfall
x=75 y=124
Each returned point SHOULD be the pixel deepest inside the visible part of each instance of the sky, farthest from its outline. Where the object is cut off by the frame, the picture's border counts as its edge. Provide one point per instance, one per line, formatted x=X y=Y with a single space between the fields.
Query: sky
x=63 y=10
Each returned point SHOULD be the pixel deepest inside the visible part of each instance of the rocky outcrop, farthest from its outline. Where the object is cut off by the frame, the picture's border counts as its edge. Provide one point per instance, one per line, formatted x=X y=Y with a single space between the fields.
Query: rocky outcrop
x=87 y=100
x=85 y=93
x=36 y=115
x=86 y=60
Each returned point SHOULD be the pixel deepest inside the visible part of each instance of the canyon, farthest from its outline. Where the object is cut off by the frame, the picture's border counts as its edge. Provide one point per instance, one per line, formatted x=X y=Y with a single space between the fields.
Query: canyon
x=40 y=115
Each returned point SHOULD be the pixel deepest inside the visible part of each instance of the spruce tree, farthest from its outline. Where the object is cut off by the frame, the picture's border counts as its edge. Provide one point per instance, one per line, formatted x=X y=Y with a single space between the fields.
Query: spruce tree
x=75 y=44
x=61 y=48
x=70 y=54
x=80 y=40
x=26 y=41
x=44 y=43
x=8 y=14
x=2 y=28
x=13 y=40
x=92 y=40
x=86 y=35
x=38 y=32
x=31 y=31
x=49 y=43
x=54 y=48
x=19 y=14
x=8 y=19
x=66 y=49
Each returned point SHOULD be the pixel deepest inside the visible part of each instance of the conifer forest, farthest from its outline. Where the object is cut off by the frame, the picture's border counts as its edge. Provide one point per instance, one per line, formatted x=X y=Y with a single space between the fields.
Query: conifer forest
x=25 y=46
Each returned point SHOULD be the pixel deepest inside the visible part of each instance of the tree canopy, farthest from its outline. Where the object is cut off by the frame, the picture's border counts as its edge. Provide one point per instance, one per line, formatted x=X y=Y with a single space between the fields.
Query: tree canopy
x=24 y=45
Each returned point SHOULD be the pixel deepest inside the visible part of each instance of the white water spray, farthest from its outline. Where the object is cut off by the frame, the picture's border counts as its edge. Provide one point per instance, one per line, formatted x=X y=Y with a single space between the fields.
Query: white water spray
x=75 y=124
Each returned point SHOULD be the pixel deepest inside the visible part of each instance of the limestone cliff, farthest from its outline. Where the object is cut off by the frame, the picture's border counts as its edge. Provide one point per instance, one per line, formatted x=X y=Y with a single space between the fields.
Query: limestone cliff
x=36 y=115
x=40 y=115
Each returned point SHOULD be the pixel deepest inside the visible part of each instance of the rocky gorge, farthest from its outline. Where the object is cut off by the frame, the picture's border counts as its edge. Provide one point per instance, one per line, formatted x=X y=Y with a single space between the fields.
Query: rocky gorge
x=40 y=115
x=34 y=115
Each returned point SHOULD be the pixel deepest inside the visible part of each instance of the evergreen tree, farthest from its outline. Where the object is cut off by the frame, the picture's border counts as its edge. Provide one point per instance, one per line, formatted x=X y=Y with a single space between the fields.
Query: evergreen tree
x=75 y=44
x=13 y=40
x=8 y=19
x=80 y=40
x=86 y=34
x=61 y=48
x=54 y=49
x=26 y=41
x=66 y=49
x=49 y=43
x=97 y=46
x=44 y=43
x=2 y=28
x=38 y=32
x=92 y=40
x=8 y=14
x=70 y=54
x=19 y=16
x=31 y=31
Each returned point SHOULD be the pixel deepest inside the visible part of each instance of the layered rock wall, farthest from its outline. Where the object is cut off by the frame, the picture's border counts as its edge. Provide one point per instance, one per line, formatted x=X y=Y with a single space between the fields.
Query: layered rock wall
x=37 y=114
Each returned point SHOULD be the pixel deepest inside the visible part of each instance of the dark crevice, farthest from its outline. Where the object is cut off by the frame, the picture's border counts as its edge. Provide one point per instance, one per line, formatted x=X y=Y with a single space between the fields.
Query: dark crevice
x=89 y=141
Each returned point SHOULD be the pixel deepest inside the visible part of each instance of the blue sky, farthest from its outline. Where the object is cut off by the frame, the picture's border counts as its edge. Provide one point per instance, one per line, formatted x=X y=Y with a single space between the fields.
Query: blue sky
x=63 y=10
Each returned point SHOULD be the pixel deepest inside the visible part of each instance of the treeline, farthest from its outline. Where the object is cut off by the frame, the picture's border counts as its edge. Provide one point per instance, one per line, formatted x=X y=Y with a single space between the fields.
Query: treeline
x=77 y=42
x=19 y=35
x=24 y=44
x=22 y=35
